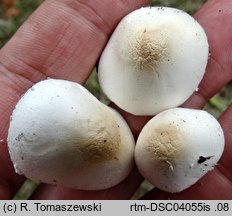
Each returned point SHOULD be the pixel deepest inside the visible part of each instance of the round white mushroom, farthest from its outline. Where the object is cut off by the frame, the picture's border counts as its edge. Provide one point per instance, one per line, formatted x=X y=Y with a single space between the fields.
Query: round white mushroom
x=61 y=134
x=177 y=147
x=154 y=60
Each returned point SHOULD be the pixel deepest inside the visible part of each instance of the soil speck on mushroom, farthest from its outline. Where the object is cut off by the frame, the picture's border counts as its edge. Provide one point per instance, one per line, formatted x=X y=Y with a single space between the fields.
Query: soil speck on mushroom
x=202 y=159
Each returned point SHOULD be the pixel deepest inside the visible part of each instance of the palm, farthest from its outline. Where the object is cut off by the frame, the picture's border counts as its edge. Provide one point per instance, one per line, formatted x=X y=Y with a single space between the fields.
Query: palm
x=69 y=48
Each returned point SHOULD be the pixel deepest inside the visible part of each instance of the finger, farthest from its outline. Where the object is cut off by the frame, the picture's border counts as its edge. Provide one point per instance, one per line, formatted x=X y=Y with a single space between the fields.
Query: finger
x=63 y=39
x=4 y=190
x=10 y=92
x=44 y=46
x=225 y=163
x=215 y=17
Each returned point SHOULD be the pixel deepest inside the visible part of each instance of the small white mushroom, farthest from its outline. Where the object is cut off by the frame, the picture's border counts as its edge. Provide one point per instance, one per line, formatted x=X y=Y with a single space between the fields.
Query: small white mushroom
x=61 y=134
x=154 y=60
x=177 y=147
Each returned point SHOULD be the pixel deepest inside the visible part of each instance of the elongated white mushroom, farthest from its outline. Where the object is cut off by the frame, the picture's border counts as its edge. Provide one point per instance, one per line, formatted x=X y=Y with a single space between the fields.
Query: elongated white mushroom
x=177 y=147
x=60 y=134
x=154 y=60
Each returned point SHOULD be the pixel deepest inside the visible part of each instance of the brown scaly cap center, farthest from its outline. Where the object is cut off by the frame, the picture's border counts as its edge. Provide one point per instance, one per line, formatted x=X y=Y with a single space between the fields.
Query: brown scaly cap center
x=147 y=50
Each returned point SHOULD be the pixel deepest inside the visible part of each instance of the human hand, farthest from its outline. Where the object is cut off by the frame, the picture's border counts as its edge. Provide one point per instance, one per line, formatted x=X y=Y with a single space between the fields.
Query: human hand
x=64 y=39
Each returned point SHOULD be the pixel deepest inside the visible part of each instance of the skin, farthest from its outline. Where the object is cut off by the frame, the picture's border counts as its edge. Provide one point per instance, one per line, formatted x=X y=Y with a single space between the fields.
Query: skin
x=70 y=48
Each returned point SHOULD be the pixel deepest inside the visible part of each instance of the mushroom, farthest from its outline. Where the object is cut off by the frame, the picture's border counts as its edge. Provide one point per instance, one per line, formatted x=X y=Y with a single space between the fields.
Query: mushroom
x=177 y=147
x=61 y=134
x=154 y=60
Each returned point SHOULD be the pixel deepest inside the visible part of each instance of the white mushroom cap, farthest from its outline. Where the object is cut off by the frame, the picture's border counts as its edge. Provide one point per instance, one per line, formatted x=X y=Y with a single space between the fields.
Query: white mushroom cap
x=154 y=60
x=177 y=147
x=61 y=134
